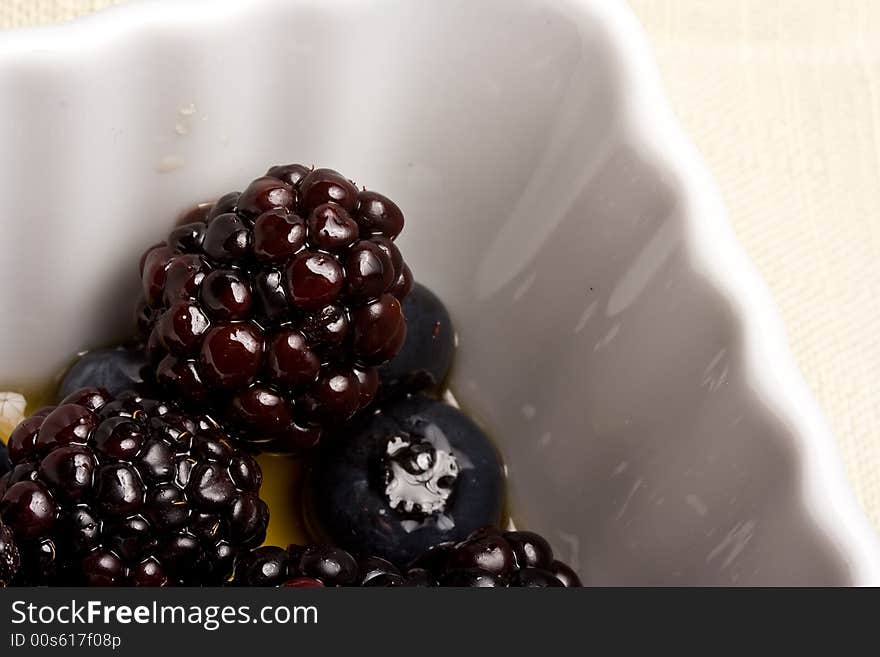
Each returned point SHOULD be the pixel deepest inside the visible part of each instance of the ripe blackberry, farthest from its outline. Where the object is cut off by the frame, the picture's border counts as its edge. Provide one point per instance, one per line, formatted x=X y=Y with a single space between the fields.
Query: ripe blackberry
x=276 y=306
x=9 y=559
x=128 y=491
x=316 y=566
x=488 y=558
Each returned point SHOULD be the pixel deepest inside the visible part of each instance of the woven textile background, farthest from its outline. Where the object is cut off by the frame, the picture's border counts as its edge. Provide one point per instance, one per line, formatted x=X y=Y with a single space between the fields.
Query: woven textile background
x=783 y=99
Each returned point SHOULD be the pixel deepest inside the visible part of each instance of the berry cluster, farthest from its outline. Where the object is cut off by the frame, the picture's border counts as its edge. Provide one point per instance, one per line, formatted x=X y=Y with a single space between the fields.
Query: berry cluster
x=274 y=307
x=271 y=320
x=488 y=558
x=128 y=491
x=492 y=558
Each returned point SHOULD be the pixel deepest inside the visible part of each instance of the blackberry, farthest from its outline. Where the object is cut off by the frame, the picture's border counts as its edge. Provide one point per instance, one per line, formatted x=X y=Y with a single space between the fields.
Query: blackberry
x=318 y=566
x=489 y=557
x=9 y=559
x=275 y=306
x=128 y=491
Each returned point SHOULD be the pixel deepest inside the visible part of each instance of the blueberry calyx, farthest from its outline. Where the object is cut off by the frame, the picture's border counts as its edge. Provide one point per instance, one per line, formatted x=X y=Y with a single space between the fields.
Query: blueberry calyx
x=419 y=477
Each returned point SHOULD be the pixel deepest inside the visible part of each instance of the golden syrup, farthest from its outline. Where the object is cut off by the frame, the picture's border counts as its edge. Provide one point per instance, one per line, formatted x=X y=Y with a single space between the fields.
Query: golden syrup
x=282 y=491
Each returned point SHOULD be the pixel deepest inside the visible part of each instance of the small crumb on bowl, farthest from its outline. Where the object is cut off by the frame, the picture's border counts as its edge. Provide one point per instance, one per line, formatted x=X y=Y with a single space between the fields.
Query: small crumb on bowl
x=169 y=163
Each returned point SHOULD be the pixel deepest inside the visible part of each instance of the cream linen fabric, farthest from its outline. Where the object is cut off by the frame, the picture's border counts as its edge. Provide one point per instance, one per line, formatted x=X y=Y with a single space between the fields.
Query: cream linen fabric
x=783 y=99
x=23 y=13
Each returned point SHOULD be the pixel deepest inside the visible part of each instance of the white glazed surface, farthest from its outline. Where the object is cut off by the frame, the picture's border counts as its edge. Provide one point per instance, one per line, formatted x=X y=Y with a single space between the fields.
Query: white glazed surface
x=612 y=336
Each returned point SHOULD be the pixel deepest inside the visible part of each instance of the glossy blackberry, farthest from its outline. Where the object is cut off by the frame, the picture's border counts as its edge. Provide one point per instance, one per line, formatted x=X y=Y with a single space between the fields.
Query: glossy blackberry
x=9 y=559
x=318 y=566
x=276 y=306
x=490 y=557
x=128 y=491
x=275 y=566
x=487 y=558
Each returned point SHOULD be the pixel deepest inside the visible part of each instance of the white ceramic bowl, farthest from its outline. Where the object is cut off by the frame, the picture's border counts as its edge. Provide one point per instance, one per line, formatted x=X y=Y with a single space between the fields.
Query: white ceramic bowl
x=613 y=336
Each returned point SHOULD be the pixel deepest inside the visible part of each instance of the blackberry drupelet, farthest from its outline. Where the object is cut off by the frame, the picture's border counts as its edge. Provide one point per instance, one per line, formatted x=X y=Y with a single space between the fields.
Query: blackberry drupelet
x=128 y=491
x=274 y=307
x=487 y=558
x=9 y=559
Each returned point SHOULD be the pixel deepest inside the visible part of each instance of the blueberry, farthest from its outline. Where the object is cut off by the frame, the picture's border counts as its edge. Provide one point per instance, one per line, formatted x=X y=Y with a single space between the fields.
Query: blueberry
x=116 y=370
x=416 y=474
x=426 y=356
x=5 y=464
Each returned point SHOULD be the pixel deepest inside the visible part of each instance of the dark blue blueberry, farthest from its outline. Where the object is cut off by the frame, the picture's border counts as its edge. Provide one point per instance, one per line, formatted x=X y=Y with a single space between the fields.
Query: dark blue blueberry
x=116 y=370
x=426 y=356
x=414 y=475
x=5 y=464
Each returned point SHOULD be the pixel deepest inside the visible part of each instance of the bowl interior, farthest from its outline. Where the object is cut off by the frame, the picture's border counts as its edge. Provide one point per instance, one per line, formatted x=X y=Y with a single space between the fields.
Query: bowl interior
x=608 y=369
